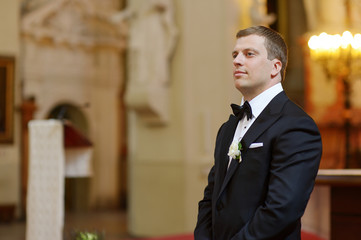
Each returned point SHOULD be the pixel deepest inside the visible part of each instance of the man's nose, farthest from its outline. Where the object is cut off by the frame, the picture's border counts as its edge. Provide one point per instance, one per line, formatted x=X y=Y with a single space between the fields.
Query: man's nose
x=237 y=61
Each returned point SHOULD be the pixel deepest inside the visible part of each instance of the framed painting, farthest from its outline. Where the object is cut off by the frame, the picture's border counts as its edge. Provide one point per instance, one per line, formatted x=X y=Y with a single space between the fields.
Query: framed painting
x=7 y=71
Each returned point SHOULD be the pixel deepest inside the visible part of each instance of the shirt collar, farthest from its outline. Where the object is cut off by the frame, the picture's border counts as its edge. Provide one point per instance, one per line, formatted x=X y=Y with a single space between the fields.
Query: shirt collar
x=262 y=100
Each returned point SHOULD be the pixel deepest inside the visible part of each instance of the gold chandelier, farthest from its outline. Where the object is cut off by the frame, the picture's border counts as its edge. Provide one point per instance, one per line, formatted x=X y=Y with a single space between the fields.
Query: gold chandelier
x=335 y=46
x=340 y=57
x=338 y=54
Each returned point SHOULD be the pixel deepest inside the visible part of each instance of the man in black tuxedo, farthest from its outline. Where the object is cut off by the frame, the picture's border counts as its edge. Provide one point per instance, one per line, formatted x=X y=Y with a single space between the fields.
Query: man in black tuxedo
x=266 y=162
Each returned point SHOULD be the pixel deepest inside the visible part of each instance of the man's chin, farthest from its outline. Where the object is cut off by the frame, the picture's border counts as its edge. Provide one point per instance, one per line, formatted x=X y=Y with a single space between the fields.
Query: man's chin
x=240 y=83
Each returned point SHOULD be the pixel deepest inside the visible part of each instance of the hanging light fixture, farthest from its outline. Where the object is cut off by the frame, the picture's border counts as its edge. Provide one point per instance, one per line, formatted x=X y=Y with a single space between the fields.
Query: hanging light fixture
x=340 y=57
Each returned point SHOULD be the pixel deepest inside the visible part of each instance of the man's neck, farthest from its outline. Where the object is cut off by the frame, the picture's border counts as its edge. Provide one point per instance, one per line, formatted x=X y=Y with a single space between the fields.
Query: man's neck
x=249 y=95
x=249 y=98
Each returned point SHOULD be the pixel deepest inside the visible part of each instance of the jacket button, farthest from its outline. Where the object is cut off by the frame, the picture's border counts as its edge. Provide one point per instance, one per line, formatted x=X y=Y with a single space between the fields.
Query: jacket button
x=219 y=206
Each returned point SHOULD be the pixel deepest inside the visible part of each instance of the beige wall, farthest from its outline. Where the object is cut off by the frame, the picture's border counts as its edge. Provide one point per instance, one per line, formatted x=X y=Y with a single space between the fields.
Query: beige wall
x=169 y=164
x=9 y=153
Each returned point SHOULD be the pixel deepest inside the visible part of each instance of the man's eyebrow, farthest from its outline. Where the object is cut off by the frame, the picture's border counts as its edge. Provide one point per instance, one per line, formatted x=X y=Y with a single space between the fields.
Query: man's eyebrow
x=250 y=49
x=245 y=50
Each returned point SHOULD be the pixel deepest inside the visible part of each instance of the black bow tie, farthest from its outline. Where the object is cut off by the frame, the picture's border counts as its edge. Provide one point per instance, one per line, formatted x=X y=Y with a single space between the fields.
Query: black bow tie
x=240 y=111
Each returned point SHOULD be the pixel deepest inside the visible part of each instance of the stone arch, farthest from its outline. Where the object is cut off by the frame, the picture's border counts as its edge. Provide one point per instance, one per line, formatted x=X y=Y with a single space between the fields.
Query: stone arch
x=79 y=187
x=73 y=113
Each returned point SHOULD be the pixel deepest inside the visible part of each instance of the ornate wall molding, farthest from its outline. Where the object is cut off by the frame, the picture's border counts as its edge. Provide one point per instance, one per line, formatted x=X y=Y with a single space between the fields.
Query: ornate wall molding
x=74 y=23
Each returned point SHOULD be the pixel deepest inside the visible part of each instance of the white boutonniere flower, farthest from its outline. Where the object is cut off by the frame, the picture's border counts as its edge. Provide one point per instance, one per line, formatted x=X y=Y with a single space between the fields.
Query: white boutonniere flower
x=235 y=150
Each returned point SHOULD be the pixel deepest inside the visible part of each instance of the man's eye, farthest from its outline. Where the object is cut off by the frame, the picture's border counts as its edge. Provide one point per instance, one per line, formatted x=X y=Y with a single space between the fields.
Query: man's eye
x=250 y=54
x=234 y=55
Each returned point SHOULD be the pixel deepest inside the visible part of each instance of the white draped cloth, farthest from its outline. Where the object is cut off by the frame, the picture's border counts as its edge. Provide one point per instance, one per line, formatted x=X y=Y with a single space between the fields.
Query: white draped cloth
x=45 y=198
x=78 y=162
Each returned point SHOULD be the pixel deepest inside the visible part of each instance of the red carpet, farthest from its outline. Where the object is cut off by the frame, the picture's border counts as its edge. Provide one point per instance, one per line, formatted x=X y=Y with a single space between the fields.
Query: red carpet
x=304 y=236
x=178 y=237
x=310 y=236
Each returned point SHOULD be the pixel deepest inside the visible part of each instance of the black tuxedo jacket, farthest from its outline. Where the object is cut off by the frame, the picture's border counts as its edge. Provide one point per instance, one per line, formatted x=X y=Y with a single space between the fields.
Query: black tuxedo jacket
x=264 y=195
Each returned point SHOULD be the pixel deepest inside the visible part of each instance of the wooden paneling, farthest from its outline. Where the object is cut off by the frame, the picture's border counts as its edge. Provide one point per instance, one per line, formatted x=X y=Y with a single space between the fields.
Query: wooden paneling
x=345 y=206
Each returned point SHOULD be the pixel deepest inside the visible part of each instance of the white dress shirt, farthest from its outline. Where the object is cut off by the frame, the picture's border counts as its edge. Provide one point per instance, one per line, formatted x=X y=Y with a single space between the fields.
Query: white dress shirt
x=257 y=104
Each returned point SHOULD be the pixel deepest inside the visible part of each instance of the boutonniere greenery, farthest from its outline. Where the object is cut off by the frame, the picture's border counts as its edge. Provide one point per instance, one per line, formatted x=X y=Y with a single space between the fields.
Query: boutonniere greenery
x=235 y=150
x=85 y=235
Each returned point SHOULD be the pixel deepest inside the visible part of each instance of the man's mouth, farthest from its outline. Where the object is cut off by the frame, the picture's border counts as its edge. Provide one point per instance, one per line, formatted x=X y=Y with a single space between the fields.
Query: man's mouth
x=239 y=73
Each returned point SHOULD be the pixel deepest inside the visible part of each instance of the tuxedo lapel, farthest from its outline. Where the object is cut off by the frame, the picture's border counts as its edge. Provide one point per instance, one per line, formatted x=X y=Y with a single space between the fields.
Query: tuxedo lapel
x=232 y=168
x=268 y=116
x=228 y=135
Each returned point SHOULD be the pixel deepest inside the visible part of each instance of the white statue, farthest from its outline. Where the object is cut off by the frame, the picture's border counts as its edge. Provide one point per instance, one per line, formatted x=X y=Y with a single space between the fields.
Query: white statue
x=152 y=38
x=259 y=16
x=321 y=14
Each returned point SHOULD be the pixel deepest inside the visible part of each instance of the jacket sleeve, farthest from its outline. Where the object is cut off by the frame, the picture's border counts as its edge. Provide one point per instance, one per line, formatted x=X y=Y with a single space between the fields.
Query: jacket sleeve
x=296 y=154
x=203 y=230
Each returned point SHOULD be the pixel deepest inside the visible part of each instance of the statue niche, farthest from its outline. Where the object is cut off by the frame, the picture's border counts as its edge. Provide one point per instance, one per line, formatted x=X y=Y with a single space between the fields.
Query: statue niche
x=151 y=41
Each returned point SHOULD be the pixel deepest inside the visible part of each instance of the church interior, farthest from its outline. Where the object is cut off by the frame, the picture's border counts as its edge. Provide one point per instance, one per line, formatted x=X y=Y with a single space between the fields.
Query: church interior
x=109 y=111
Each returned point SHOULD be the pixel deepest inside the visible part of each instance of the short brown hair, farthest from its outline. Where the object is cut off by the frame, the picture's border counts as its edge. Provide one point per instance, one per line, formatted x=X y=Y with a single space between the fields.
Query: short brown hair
x=274 y=43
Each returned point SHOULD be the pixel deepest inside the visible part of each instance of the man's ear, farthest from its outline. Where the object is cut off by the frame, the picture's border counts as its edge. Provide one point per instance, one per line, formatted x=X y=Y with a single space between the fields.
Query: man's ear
x=276 y=68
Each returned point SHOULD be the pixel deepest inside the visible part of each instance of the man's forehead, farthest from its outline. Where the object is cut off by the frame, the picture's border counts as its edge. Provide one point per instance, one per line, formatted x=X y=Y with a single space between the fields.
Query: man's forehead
x=252 y=37
x=250 y=41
